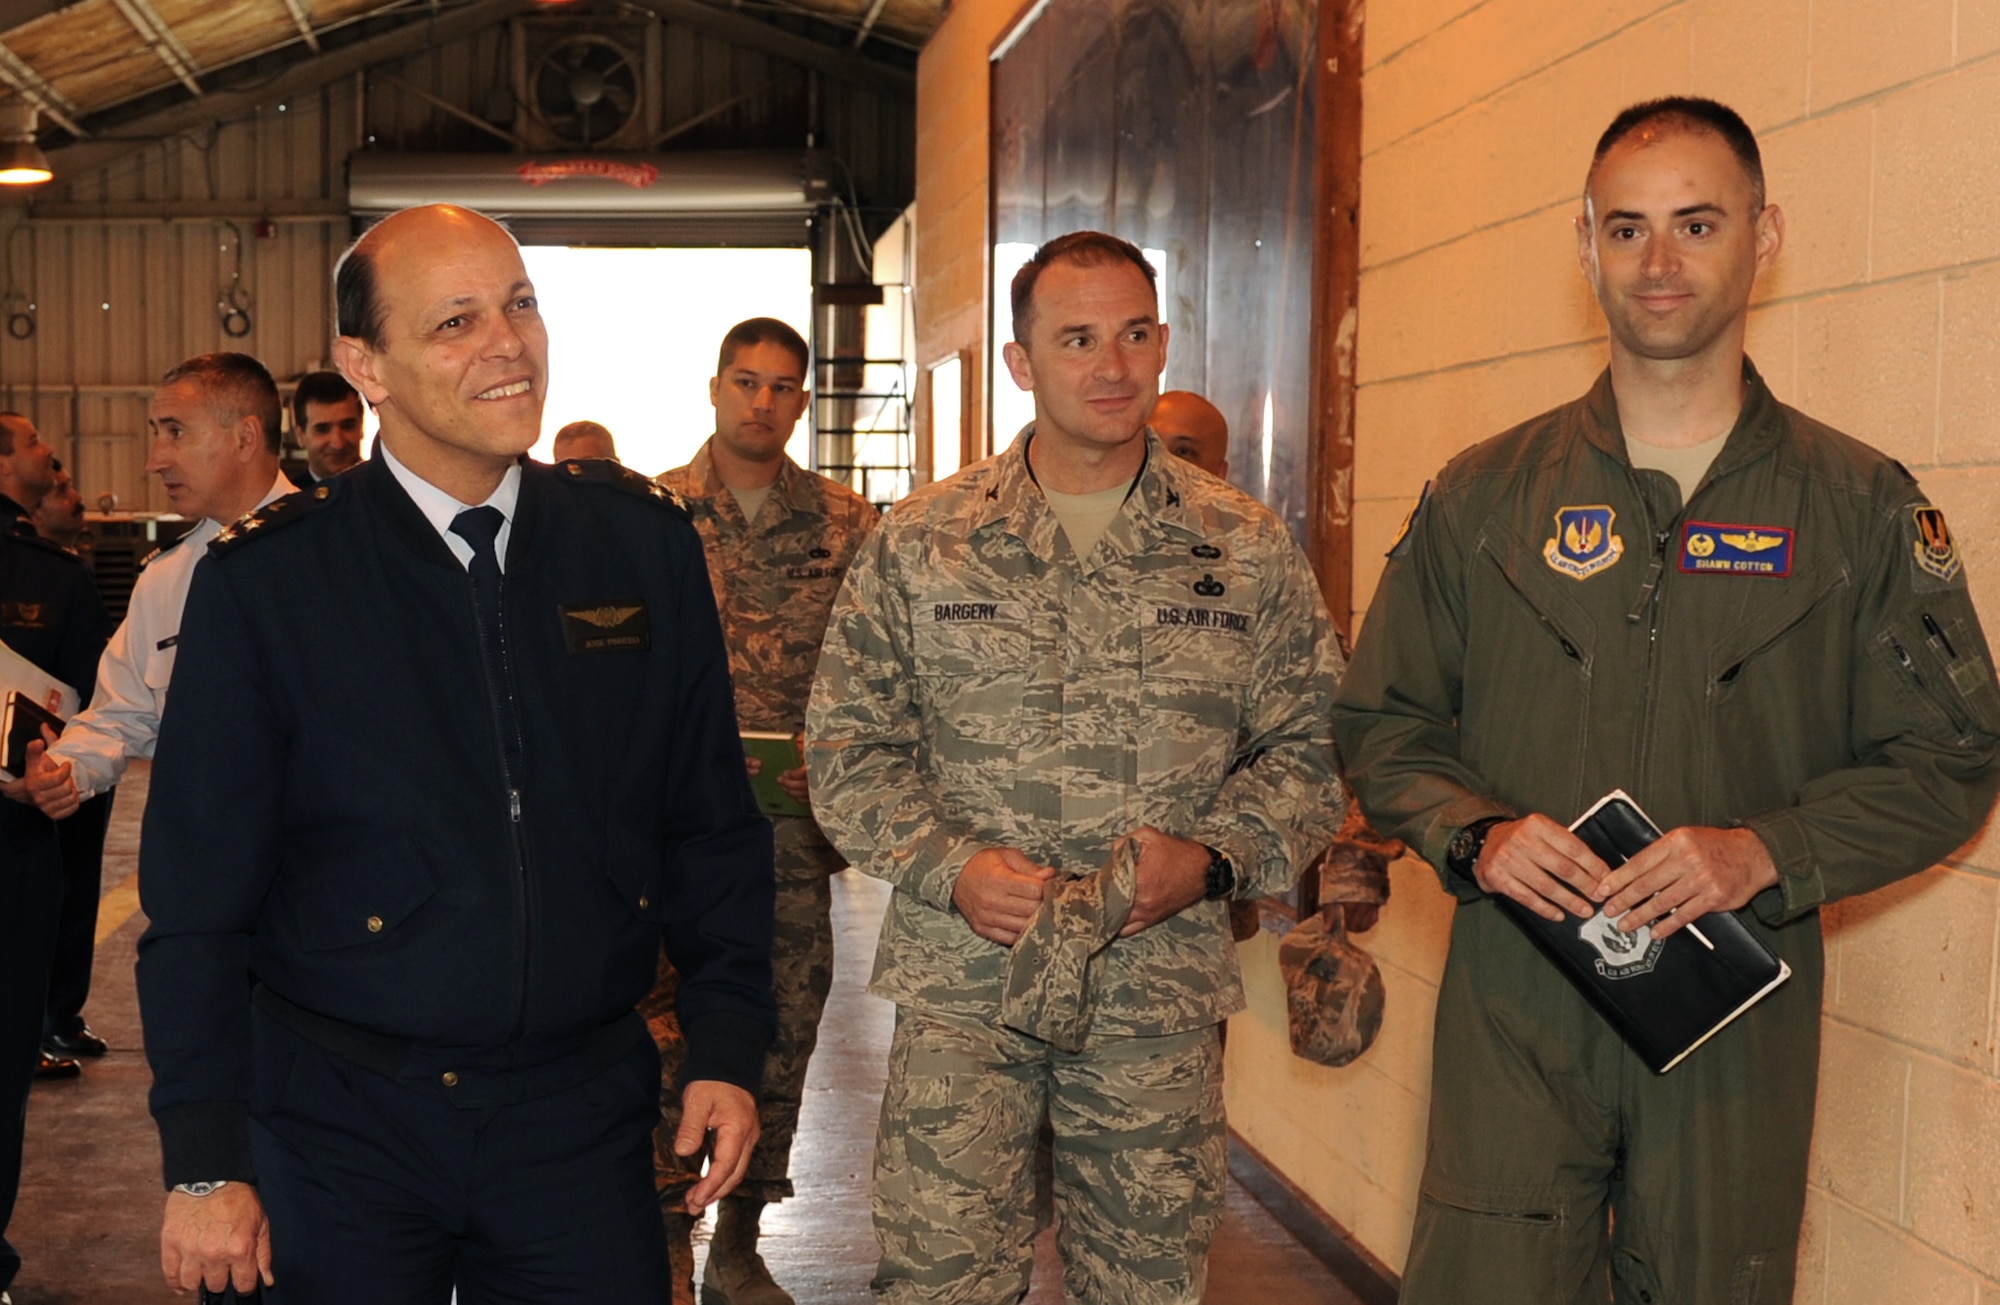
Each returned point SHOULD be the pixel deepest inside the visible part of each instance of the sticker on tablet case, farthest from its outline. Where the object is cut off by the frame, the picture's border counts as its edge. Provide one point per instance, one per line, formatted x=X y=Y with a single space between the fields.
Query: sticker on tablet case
x=1621 y=955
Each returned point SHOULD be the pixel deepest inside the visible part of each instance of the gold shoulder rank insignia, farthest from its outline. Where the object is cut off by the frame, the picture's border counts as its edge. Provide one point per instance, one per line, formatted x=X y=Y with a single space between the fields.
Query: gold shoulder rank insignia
x=602 y=471
x=265 y=520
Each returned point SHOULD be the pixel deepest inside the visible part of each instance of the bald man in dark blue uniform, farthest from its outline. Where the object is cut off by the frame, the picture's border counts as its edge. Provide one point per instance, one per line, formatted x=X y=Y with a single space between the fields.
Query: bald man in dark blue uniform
x=418 y=830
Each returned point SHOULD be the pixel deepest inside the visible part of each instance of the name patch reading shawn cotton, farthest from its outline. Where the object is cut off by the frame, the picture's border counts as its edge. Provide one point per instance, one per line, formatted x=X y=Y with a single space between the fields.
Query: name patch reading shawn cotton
x=1710 y=548
x=605 y=627
x=1203 y=618
x=975 y=613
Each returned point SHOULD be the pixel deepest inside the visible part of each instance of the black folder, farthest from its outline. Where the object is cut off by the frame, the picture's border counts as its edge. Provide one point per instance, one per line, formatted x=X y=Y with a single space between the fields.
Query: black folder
x=21 y=722
x=1664 y=996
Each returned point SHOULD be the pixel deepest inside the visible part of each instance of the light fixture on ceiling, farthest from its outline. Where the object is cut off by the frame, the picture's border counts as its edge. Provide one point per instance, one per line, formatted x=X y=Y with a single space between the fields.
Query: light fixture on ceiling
x=22 y=162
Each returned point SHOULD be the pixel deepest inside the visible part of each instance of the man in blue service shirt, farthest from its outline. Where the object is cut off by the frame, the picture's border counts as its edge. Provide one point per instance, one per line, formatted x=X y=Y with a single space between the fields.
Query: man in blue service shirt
x=390 y=1019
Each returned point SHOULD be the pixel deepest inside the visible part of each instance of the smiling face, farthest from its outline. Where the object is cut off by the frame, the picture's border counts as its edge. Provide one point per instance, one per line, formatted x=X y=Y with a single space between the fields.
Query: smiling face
x=331 y=436
x=461 y=372
x=758 y=400
x=1672 y=241
x=1094 y=354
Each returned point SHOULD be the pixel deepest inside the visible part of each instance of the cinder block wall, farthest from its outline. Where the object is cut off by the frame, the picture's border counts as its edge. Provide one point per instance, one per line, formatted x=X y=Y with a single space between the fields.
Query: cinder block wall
x=1879 y=121
x=1881 y=128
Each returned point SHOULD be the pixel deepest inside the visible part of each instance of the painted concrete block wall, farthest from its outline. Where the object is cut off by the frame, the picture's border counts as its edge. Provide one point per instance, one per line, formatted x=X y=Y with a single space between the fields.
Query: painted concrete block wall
x=1880 y=121
x=954 y=102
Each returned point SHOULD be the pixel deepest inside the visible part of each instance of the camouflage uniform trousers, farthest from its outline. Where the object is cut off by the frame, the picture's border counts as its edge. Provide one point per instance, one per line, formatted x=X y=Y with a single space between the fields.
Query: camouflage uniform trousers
x=802 y=973
x=1139 y=1163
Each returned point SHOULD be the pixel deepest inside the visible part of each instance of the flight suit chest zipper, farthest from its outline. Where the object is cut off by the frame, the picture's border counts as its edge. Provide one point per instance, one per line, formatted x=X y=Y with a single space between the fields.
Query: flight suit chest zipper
x=1650 y=608
x=503 y=711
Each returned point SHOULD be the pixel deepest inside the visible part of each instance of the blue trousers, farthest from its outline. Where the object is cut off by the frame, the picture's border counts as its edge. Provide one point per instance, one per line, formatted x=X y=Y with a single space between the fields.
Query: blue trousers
x=31 y=890
x=385 y=1190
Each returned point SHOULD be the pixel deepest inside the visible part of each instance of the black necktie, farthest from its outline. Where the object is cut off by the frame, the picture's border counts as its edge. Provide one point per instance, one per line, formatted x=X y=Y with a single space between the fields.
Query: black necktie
x=479 y=527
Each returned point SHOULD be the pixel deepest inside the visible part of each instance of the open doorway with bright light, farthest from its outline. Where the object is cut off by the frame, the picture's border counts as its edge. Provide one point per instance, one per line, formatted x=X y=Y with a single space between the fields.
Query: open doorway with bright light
x=633 y=335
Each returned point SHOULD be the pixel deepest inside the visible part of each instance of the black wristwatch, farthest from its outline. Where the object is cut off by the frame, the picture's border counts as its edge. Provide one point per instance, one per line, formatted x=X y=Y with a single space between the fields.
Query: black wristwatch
x=1221 y=875
x=1462 y=853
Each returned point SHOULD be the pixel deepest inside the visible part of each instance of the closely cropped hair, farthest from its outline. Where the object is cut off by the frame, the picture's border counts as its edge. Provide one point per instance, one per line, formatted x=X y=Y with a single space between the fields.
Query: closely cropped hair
x=764 y=330
x=1084 y=248
x=1689 y=113
x=238 y=385
x=7 y=420
x=318 y=387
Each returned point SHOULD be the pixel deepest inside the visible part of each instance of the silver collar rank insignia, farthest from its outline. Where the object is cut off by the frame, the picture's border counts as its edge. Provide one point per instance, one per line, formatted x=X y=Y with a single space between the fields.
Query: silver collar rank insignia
x=1584 y=544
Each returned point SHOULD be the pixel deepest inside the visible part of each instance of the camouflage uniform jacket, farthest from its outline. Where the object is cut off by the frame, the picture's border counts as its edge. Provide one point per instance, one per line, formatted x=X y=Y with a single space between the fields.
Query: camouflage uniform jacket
x=774 y=578
x=982 y=686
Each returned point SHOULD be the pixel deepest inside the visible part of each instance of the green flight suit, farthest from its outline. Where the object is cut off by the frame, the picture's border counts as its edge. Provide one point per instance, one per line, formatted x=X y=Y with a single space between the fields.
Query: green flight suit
x=1792 y=651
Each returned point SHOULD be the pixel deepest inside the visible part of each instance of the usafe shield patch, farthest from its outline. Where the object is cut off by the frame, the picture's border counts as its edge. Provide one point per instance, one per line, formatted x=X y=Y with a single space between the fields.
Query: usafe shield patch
x=605 y=627
x=1936 y=550
x=1713 y=548
x=1584 y=542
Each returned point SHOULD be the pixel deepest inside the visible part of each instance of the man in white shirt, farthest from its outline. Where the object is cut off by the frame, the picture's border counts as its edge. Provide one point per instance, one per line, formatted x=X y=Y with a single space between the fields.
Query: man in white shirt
x=214 y=423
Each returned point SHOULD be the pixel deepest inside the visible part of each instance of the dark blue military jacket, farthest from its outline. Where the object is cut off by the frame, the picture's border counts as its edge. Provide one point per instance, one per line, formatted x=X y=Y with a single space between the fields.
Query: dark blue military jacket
x=329 y=818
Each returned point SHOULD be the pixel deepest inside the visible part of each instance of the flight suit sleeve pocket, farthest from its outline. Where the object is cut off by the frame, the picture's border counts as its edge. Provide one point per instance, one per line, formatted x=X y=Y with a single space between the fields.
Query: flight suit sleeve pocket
x=361 y=897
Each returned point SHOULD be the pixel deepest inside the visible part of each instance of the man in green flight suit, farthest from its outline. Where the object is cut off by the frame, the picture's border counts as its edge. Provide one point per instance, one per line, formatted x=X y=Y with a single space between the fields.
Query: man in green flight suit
x=1078 y=642
x=1757 y=627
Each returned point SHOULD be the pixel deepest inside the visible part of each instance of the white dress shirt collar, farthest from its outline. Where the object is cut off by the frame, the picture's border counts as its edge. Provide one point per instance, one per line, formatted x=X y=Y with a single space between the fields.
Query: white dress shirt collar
x=441 y=509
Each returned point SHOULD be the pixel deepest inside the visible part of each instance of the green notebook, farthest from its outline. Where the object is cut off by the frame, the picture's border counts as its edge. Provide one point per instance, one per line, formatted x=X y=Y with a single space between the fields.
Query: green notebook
x=779 y=753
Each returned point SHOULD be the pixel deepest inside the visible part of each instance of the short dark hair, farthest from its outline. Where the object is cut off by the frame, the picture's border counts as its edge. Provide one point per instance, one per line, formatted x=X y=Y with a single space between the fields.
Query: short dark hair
x=237 y=384
x=1084 y=248
x=763 y=330
x=1688 y=113
x=7 y=432
x=318 y=387
x=357 y=301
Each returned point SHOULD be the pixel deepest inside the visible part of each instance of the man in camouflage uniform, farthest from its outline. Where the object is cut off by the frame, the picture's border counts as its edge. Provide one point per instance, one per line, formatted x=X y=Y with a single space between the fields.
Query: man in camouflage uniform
x=778 y=540
x=1079 y=641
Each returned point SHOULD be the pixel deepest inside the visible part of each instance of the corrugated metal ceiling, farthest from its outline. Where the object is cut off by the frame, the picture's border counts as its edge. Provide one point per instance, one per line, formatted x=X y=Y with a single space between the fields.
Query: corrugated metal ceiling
x=79 y=63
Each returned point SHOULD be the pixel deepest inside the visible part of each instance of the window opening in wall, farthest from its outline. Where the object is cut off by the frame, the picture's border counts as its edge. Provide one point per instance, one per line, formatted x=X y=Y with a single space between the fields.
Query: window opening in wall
x=633 y=335
x=947 y=416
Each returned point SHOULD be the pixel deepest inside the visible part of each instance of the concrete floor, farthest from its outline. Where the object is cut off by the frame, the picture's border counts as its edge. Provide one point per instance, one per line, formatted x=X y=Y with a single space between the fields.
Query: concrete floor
x=87 y=1223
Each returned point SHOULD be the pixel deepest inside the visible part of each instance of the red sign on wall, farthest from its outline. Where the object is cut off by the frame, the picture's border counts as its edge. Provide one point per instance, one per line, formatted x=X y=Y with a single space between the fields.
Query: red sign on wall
x=636 y=175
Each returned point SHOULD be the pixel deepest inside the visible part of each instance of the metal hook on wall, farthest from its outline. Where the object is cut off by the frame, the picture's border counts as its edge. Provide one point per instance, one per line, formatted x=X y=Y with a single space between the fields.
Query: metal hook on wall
x=232 y=304
x=20 y=307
